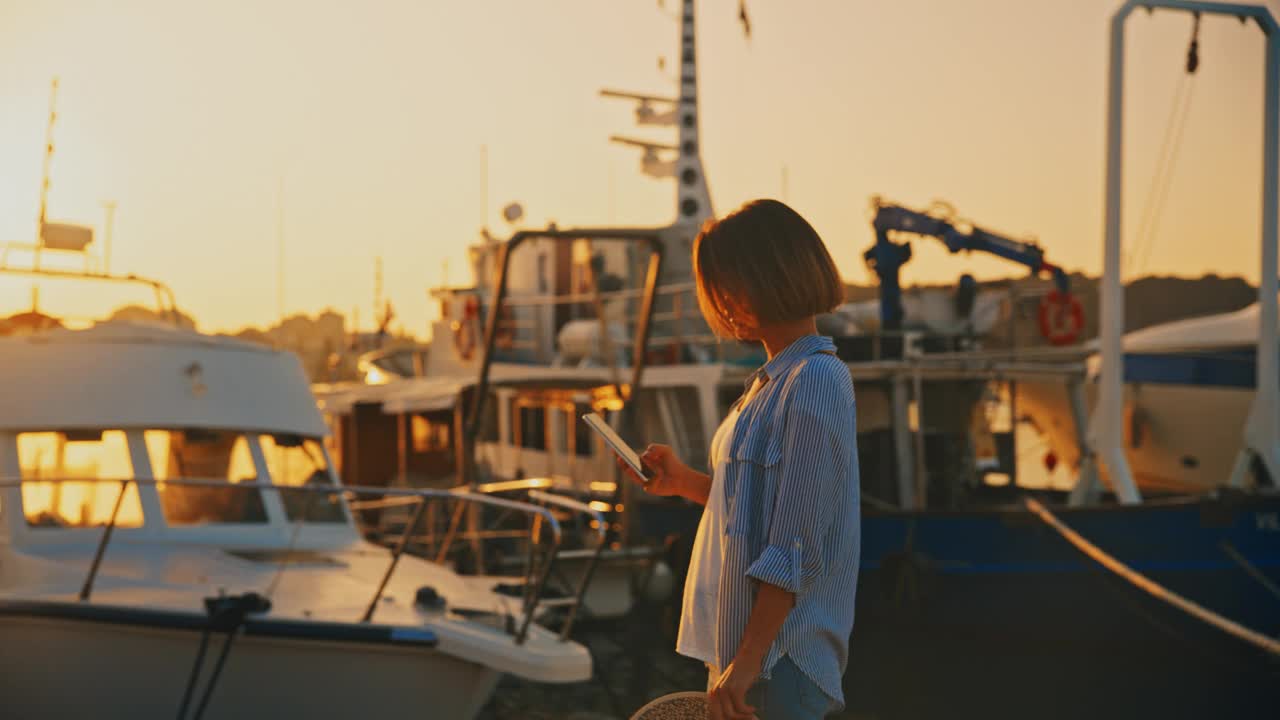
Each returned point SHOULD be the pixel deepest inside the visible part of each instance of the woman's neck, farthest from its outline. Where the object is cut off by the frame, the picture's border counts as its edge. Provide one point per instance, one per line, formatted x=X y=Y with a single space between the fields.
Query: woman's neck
x=776 y=338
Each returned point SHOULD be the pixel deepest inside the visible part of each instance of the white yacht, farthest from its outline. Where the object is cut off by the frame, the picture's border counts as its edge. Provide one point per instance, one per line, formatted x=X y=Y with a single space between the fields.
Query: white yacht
x=154 y=560
x=1189 y=385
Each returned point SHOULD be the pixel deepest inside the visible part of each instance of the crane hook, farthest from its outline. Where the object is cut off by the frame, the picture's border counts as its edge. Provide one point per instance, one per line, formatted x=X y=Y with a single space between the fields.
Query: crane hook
x=1193 y=51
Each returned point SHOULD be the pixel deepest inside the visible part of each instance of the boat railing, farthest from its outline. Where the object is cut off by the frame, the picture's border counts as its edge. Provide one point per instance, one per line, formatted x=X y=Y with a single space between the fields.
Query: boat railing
x=540 y=515
x=166 y=302
x=536 y=490
x=683 y=311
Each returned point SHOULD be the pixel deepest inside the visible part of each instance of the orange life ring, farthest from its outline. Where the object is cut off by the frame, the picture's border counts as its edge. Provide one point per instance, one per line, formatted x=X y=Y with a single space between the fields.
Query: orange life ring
x=464 y=330
x=1061 y=318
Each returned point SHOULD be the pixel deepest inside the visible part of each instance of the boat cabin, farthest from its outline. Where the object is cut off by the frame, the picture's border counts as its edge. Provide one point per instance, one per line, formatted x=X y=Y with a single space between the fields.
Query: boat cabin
x=90 y=411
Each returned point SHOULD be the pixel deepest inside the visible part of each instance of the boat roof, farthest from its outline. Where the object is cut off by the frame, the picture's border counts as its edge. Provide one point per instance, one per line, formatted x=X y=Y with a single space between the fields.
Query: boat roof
x=1209 y=332
x=440 y=392
x=141 y=375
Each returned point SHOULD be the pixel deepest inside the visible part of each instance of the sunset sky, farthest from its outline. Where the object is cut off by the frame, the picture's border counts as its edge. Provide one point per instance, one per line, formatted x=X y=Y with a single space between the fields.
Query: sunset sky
x=192 y=115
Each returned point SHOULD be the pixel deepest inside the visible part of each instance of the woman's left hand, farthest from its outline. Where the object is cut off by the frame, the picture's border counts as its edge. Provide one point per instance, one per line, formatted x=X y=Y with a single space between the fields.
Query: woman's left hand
x=728 y=699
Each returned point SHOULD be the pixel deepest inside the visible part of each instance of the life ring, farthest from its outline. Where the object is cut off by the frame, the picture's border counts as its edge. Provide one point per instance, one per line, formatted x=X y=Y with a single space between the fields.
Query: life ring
x=464 y=330
x=1061 y=318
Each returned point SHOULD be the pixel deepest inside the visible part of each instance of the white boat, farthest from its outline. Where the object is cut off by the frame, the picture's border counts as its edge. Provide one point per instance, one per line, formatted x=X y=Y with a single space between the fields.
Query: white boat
x=144 y=532
x=1188 y=388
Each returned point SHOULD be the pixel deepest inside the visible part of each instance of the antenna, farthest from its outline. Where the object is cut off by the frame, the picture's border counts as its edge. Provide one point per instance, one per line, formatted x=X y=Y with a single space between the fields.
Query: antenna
x=484 y=186
x=280 y=249
x=377 y=286
x=109 y=209
x=48 y=157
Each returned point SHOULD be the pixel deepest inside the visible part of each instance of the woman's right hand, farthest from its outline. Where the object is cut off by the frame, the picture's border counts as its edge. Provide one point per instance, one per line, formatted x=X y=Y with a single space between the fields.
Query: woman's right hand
x=667 y=470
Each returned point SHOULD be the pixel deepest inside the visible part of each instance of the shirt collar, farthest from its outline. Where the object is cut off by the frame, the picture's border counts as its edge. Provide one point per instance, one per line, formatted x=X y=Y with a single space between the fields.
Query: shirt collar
x=799 y=349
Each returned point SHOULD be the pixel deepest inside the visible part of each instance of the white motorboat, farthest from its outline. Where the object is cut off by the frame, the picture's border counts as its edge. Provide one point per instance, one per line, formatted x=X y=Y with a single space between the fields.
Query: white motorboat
x=1189 y=385
x=153 y=556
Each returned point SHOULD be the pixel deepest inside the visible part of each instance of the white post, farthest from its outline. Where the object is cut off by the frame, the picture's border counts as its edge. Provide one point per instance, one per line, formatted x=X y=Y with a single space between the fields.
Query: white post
x=1262 y=432
x=153 y=519
x=1105 y=429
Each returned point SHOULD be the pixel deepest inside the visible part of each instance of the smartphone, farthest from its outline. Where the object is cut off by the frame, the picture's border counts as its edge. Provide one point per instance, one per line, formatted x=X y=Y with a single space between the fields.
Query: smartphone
x=617 y=444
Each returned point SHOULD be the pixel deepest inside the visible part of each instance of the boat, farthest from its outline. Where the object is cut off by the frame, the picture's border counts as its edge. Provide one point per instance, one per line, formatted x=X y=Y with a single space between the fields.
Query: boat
x=1208 y=363
x=174 y=539
x=968 y=602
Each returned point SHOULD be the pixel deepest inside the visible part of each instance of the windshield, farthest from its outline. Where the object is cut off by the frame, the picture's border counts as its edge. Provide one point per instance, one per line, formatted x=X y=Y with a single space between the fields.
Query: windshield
x=295 y=461
x=204 y=455
x=83 y=455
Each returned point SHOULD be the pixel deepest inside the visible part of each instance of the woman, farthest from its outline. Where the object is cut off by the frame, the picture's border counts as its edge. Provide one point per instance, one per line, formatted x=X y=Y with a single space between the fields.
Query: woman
x=768 y=601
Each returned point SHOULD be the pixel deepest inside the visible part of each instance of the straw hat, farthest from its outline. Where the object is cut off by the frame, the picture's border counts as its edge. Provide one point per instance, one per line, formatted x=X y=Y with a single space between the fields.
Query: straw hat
x=687 y=705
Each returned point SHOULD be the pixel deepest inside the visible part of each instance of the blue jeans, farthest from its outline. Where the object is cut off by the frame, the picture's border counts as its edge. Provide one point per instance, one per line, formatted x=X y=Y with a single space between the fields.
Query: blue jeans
x=789 y=694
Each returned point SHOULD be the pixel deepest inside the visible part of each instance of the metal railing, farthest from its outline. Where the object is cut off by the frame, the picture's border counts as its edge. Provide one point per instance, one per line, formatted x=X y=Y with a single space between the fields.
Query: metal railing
x=684 y=312
x=166 y=303
x=535 y=575
x=533 y=488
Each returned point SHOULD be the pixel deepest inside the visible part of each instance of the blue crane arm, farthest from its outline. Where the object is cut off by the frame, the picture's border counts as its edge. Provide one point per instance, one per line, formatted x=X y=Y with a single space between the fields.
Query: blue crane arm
x=887 y=257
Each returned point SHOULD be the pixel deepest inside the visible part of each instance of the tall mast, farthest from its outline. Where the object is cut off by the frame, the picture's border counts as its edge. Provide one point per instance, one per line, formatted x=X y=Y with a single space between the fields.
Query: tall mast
x=693 y=199
x=48 y=159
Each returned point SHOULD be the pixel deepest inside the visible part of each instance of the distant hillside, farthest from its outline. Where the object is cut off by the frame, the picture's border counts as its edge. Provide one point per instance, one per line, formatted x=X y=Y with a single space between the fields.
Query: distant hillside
x=1148 y=301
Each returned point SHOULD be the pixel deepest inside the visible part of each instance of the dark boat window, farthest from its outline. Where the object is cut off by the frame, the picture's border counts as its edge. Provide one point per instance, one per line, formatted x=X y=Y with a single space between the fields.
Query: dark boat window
x=204 y=455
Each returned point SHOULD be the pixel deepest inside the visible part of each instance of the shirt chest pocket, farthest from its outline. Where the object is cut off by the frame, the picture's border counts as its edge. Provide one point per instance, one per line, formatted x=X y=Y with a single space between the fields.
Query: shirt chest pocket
x=755 y=469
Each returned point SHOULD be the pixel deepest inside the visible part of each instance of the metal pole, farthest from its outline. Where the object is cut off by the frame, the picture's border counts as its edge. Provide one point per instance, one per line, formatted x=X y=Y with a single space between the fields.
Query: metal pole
x=1262 y=433
x=1105 y=429
x=395 y=560
x=87 y=588
x=902 y=443
x=109 y=208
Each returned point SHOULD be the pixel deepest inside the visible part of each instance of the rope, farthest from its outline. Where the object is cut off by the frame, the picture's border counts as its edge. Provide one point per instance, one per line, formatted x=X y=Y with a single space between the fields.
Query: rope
x=1250 y=569
x=1167 y=159
x=1162 y=176
x=1157 y=591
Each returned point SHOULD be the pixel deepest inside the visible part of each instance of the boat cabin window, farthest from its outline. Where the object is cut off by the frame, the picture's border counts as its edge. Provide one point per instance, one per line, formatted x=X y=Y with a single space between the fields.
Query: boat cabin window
x=88 y=458
x=204 y=455
x=529 y=428
x=294 y=461
x=432 y=432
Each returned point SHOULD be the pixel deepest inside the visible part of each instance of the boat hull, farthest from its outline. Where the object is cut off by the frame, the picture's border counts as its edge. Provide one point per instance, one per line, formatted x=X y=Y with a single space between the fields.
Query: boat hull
x=993 y=614
x=1178 y=437
x=78 y=668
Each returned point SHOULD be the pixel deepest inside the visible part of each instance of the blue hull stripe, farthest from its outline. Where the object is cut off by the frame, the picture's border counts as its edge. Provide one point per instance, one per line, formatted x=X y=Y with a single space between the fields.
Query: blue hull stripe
x=1231 y=369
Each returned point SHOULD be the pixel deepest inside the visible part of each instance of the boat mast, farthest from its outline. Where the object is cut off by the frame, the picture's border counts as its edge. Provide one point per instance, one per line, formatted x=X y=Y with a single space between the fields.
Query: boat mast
x=692 y=196
x=48 y=166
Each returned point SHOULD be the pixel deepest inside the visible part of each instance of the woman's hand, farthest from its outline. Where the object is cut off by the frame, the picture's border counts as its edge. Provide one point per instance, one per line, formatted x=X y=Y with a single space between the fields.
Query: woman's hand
x=668 y=471
x=728 y=699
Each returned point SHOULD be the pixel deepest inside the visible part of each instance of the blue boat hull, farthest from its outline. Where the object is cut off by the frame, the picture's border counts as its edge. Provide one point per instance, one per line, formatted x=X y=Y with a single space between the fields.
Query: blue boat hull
x=991 y=614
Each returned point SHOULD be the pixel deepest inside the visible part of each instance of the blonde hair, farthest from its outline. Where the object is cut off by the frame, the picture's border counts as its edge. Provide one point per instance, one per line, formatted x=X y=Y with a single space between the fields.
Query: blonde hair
x=766 y=260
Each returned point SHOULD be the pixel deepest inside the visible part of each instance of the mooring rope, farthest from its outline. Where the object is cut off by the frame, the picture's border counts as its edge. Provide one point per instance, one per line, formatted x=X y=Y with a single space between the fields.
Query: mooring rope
x=1230 y=627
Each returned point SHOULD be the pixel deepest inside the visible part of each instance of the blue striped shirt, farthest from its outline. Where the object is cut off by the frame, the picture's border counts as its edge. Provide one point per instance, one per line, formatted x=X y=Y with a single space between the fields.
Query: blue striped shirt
x=791 y=495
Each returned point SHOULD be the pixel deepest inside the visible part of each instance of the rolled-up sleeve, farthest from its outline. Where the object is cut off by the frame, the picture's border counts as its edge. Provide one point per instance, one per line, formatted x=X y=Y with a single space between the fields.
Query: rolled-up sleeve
x=815 y=454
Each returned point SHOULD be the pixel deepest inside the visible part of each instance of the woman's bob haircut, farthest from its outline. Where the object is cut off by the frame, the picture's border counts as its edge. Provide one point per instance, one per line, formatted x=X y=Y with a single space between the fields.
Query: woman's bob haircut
x=762 y=265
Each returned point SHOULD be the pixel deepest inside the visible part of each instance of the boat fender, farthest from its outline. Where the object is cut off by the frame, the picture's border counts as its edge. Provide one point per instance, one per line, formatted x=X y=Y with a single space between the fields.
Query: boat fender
x=428 y=599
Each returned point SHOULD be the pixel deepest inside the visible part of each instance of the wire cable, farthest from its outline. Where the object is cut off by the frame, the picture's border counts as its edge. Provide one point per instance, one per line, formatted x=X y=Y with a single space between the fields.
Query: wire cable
x=195 y=673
